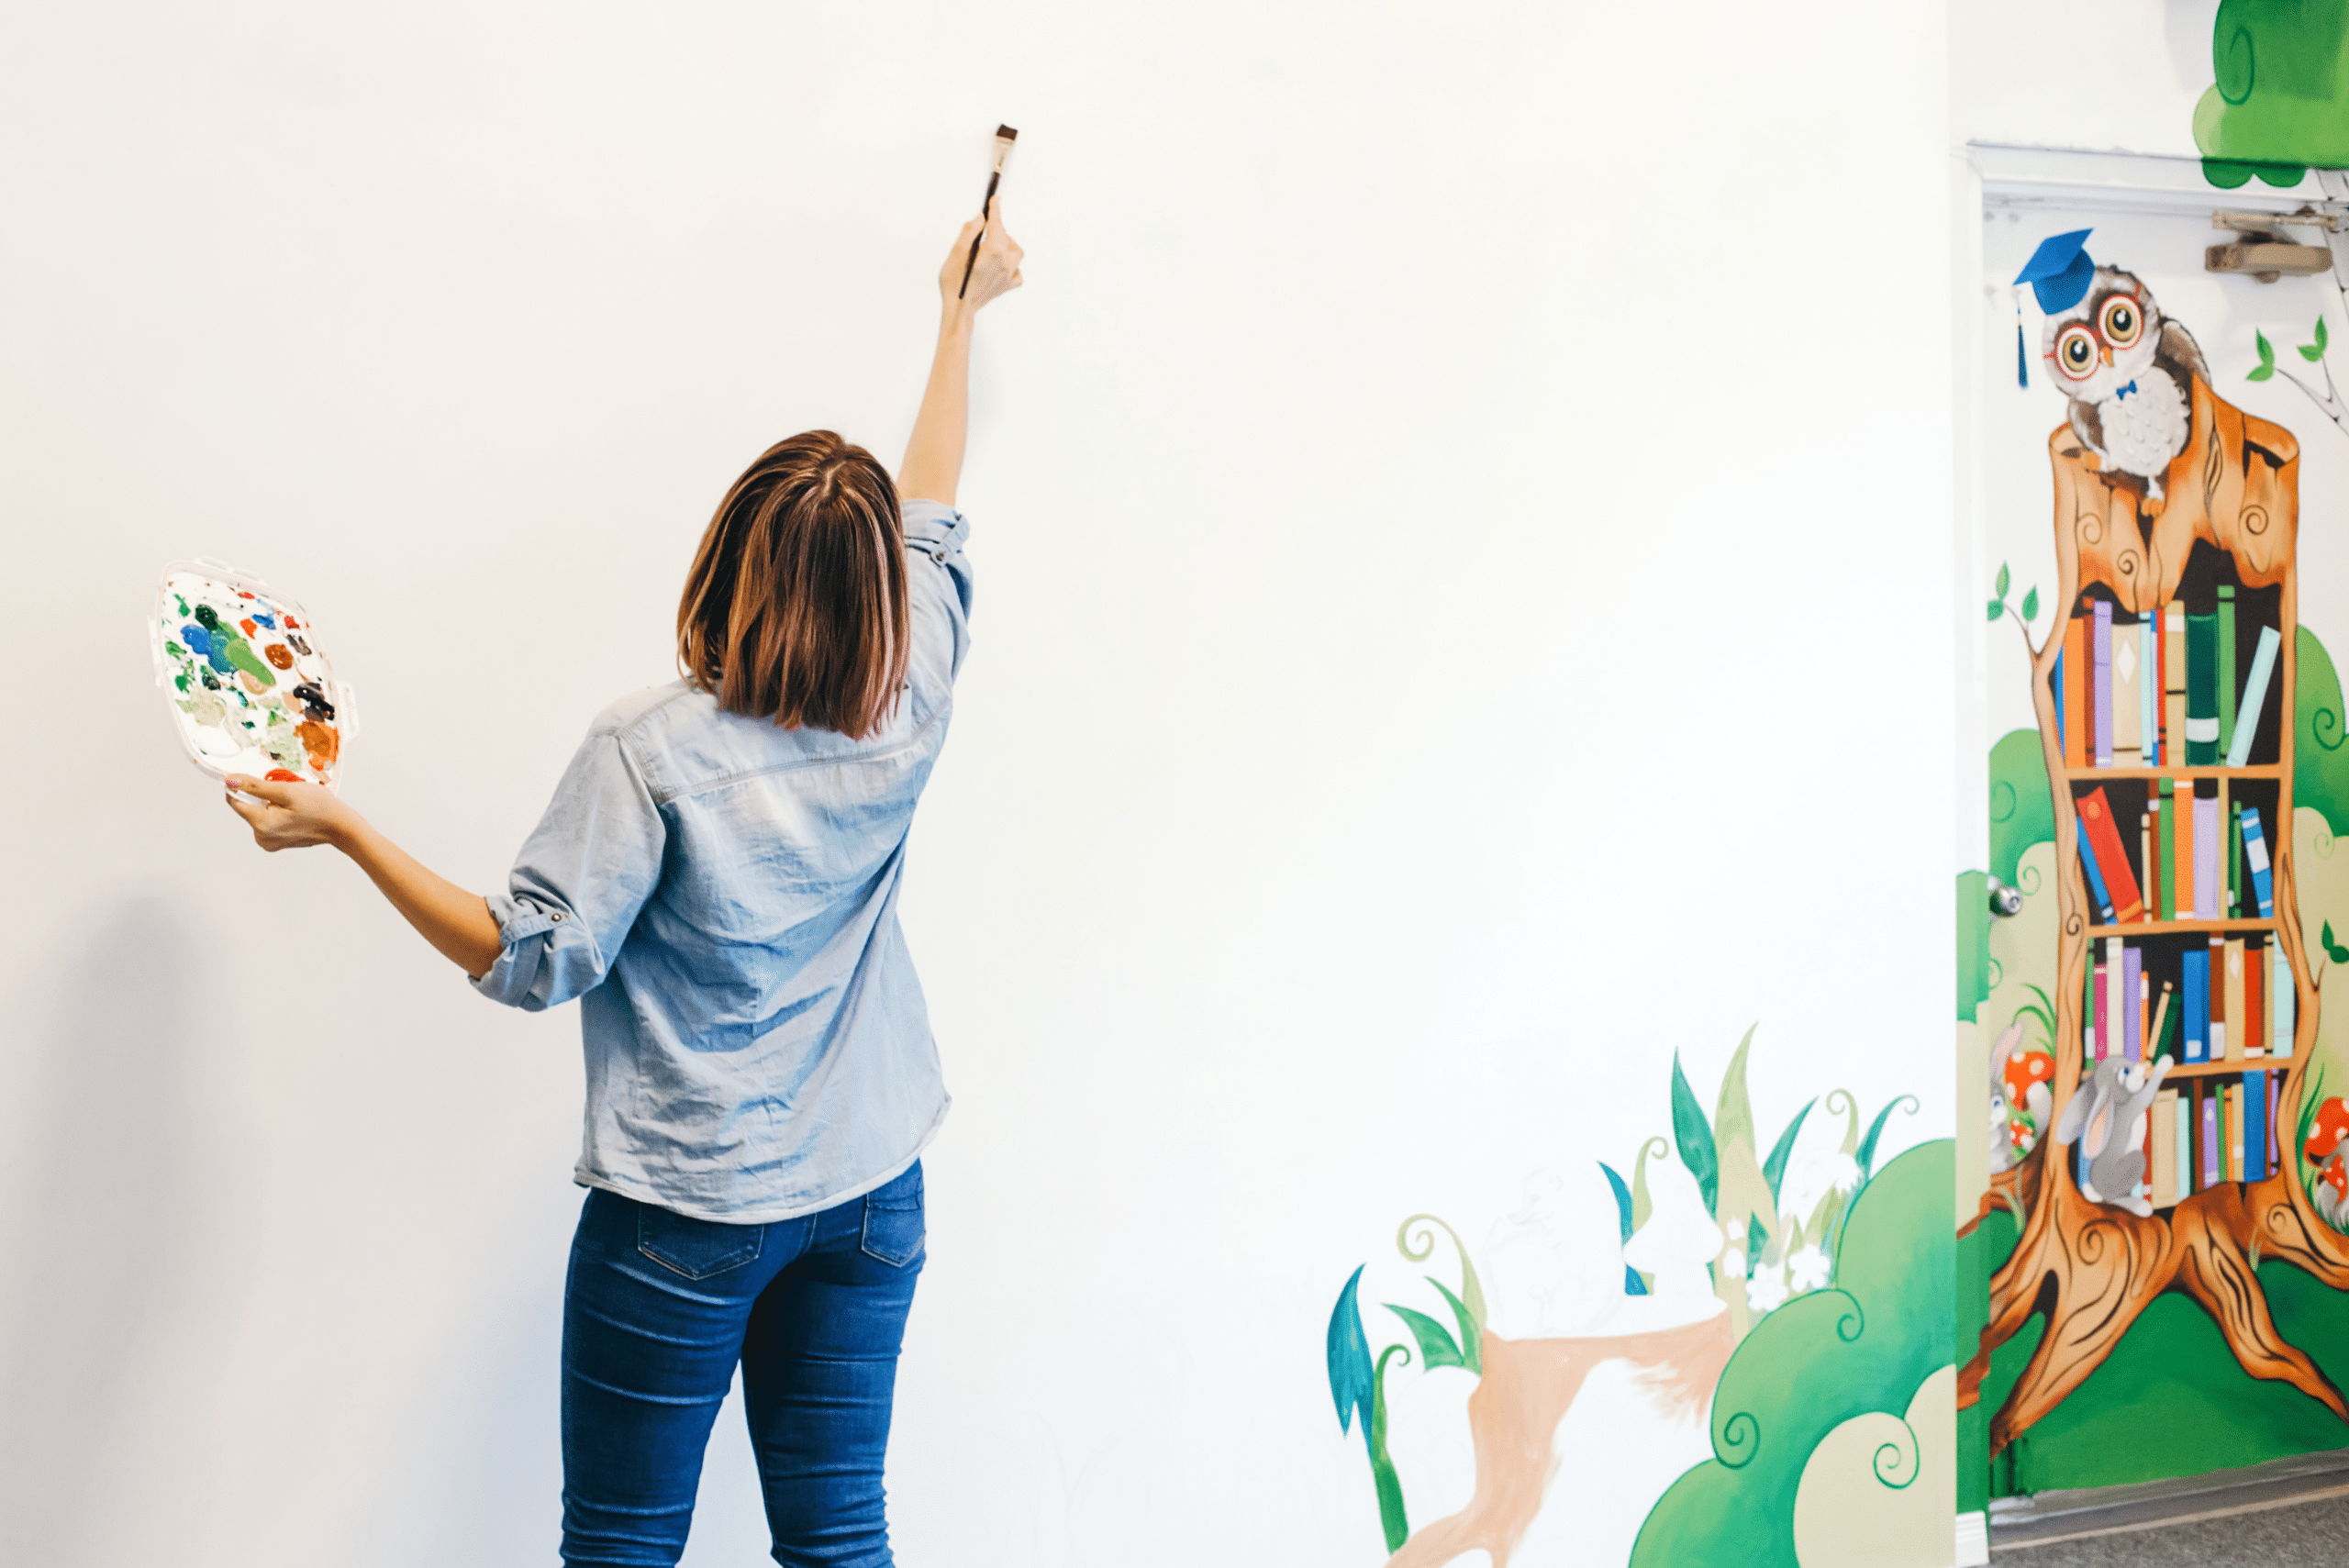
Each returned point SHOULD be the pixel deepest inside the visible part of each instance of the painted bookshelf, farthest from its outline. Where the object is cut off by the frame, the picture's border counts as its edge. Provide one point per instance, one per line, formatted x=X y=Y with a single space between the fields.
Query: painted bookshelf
x=2226 y=518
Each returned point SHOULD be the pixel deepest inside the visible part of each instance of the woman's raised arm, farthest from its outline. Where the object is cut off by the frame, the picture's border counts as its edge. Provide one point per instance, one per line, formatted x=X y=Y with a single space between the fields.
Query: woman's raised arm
x=933 y=463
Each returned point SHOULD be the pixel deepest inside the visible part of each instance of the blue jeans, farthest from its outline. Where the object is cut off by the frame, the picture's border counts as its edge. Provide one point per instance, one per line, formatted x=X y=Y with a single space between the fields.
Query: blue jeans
x=656 y=1312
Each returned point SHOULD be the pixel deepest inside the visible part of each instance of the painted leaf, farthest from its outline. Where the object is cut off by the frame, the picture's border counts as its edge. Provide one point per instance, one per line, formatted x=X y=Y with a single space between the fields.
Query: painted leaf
x=1875 y=1131
x=2002 y=580
x=1391 y=1518
x=2332 y=950
x=1641 y=1205
x=1757 y=1238
x=1734 y=1112
x=1349 y=1370
x=1773 y=1169
x=1437 y=1347
x=2030 y=604
x=1852 y=1117
x=2261 y=373
x=1998 y=608
x=2312 y=351
x=1694 y=1137
x=2320 y=339
x=1470 y=1291
x=1633 y=1285
x=1622 y=1199
x=1472 y=1326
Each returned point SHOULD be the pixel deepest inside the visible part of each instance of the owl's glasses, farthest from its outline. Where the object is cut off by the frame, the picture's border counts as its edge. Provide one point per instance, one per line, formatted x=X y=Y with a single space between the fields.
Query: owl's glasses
x=2080 y=347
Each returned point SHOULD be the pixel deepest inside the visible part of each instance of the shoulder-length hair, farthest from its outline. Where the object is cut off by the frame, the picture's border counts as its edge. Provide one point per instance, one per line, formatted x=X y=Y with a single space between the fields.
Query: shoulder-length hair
x=795 y=606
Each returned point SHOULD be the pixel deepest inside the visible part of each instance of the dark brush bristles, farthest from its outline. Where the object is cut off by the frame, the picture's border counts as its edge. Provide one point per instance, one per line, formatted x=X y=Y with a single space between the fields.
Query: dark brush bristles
x=1005 y=133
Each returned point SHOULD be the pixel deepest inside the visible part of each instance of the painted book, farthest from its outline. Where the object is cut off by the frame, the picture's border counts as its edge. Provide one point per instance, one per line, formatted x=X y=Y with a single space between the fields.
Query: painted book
x=2132 y=1008
x=2234 y=867
x=2255 y=1000
x=2173 y=683
x=2165 y=831
x=2217 y=997
x=2165 y=1030
x=2147 y=858
x=2224 y=674
x=2254 y=860
x=2182 y=1133
x=2234 y=1131
x=2102 y=1012
x=2128 y=697
x=2184 y=799
x=2194 y=990
x=2207 y=853
x=2213 y=1171
x=2255 y=1126
x=2285 y=1009
x=2112 y=860
x=2254 y=696
x=2071 y=688
x=2163 y=1127
x=2201 y=691
x=2149 y=690
x=2100 y=681
x=2233 y=963
x=2097 y=896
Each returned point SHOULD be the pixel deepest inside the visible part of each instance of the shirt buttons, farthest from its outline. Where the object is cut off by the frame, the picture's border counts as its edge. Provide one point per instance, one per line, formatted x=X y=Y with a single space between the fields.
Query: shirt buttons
x=556 y=916
x=938 y=555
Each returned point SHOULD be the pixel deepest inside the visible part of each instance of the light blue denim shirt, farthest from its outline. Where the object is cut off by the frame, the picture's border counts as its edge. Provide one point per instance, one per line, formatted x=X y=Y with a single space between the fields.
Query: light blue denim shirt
x=721 y=895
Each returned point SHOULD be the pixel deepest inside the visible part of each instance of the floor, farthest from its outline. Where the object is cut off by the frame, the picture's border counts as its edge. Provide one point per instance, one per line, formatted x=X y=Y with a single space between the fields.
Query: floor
x=2296 y=1535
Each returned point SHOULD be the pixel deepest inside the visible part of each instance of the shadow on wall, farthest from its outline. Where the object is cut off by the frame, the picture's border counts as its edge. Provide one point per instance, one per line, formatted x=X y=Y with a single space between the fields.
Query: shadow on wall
x=102 y=1216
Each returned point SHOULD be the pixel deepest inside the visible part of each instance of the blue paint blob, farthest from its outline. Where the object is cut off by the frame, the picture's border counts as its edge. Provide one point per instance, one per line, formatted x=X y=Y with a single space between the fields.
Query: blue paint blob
x=262 y=618
x=199 y=641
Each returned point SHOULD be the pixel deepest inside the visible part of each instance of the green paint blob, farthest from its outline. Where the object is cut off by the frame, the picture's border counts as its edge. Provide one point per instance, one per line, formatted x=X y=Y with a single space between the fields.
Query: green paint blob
x=2279 y=100
x=173 y=649
x=240 y=653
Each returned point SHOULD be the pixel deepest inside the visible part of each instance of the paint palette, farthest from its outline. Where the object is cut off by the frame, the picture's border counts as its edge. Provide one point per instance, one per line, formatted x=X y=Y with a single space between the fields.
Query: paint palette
x=250 y=689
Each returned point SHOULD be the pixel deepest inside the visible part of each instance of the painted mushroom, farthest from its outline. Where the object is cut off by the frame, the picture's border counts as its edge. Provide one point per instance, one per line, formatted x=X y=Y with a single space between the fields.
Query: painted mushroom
x=2325 y=1133
x=2331 y=1193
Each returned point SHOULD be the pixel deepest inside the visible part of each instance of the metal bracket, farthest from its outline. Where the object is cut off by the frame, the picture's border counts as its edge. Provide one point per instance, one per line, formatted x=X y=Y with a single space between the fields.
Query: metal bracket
x=2262 y=250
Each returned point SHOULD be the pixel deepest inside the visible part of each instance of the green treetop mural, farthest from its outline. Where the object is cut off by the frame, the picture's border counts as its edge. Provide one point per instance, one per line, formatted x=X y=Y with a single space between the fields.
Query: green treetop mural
x=2280 y=104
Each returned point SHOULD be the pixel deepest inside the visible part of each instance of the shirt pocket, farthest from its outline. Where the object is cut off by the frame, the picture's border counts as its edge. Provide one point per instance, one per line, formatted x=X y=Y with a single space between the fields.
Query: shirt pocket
x=894 y=1231
x=697 y=1249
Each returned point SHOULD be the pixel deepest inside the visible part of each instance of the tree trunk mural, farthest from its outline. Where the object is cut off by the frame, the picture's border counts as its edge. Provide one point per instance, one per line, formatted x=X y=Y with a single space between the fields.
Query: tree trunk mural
x=2090 y=1268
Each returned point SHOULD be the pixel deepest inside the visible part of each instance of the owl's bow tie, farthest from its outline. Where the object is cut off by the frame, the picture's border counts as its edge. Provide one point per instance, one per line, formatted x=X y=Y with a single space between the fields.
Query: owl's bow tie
x=2124 y=391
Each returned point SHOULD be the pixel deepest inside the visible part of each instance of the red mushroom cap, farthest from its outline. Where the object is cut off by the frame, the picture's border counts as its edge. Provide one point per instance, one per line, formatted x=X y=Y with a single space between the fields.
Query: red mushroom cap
x=2331 y=1125
x=2026 y=1068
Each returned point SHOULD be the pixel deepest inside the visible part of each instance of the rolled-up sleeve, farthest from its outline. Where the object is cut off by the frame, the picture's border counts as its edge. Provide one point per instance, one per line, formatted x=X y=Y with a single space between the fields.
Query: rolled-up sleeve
x=583 y=876
x=939 y=575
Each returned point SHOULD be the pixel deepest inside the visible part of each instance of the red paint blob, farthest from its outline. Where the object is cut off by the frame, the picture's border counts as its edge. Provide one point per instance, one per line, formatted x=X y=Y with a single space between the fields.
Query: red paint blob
x=293 y=625
x=242 y=594
x=279 y=775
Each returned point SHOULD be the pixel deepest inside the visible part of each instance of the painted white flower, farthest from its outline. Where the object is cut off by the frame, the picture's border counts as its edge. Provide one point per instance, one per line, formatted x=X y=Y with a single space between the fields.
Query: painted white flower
x=1733 y=1263
x=1766 y=1290
x=1736 y=1229
x=1807 y=1269
x=1844 y=1171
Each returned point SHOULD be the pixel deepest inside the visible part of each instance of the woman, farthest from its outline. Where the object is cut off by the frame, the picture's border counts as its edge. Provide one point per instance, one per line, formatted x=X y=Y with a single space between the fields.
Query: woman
x=717 y=881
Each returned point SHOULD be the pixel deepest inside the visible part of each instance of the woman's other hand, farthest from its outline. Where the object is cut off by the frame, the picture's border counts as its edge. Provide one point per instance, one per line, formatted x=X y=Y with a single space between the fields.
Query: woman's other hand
x=996 y=272
x=290 y=816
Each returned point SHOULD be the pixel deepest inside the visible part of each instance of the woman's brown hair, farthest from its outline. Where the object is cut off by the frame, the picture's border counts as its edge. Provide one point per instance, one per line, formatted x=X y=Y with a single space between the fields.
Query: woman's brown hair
x=795 y=606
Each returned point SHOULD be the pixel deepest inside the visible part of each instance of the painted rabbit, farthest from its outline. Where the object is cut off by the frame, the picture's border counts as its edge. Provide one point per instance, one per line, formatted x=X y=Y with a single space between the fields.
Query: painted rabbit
x=2107 y=1118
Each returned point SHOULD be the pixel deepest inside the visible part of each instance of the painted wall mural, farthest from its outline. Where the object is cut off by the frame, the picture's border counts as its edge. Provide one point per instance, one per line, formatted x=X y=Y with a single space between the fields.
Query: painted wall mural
x=2279 y=104
x=2164 y=1222
x=1795 y=1302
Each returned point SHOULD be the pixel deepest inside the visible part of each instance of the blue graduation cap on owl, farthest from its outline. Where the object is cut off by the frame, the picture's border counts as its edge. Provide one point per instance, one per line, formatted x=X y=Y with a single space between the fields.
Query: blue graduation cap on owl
x=2059 y=273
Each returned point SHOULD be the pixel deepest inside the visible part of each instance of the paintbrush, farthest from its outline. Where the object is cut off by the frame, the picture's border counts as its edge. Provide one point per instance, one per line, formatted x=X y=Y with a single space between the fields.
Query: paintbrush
x=1004 y=137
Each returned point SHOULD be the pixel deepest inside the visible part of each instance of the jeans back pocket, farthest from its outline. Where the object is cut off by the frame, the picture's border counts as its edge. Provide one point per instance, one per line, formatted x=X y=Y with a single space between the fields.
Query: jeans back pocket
x=894 y=1231
x=696 y=1249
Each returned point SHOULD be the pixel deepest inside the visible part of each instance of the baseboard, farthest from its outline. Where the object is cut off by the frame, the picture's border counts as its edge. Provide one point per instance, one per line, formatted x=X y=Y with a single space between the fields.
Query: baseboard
x=1972 y=1539
x=2019 y=1523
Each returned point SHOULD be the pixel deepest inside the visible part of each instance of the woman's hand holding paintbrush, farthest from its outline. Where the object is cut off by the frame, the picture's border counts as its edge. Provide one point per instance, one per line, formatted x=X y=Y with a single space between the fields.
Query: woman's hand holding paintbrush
x=933 y=464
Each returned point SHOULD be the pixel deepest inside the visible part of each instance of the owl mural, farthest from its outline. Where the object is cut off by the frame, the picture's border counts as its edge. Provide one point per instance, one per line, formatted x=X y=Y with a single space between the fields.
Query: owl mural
x=2128 y=374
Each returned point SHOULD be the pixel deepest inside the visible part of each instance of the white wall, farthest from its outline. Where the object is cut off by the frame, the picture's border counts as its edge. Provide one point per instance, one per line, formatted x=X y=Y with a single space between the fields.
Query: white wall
x=1461 y=517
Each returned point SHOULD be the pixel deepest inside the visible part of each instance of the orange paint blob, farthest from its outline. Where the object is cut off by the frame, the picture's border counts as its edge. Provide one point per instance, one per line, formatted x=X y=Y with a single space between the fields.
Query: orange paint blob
x=280 y=775
x=322 y=741
x=250 y=629
x=279 y=655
